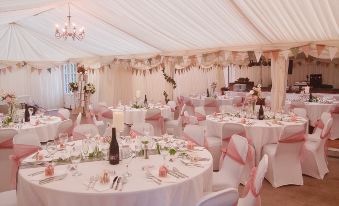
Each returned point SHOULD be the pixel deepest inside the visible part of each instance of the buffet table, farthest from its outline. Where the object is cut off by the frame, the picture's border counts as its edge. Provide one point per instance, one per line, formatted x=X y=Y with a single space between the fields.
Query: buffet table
x=138 y=190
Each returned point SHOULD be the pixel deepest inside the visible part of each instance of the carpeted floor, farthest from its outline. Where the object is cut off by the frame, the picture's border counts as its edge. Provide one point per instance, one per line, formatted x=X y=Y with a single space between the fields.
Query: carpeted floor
x=314 y=192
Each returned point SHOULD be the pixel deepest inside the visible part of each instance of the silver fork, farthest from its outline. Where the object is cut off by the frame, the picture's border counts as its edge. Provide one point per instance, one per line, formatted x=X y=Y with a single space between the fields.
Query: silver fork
x=96 y=178
x=91 y=180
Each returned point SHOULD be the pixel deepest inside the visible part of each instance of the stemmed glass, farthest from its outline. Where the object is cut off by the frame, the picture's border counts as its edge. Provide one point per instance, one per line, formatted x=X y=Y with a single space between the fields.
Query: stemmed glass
x=30 y=110
x=127 y=161
x=51 y=149
x=76 y=158
x=85 y=148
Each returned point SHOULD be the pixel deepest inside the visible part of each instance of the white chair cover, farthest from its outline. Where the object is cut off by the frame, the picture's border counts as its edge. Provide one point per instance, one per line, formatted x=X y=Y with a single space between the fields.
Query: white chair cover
x=64 y=113
x=254 y=184
x=319 y=129
x=139 y=128
x=237 y=101
x=335 y=130
x=284 y=158
x=314 y=162
x=230 y=129
x=227 y=197
x=26 y=138
x=230 y=173
x=100 y=124
x=78 y=119
x=189 y=105
x=301 y=112
x=65 y=127
x=6 y=140
x=158 y=123
x=8 y=198
x=210 y=105
x=80 y=131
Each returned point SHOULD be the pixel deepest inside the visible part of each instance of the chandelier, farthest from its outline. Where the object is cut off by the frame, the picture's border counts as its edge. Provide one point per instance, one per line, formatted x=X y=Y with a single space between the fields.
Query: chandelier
x=69 y=30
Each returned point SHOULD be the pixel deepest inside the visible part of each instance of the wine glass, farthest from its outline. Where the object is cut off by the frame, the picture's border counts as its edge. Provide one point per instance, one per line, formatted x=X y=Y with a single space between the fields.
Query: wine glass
x=85 y=147
x=76 y=158
x=128 y=157
x=51 y=149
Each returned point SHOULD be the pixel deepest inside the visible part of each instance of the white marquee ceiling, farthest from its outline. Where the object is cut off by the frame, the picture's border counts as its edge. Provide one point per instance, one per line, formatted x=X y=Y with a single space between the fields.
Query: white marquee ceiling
x=147 y=27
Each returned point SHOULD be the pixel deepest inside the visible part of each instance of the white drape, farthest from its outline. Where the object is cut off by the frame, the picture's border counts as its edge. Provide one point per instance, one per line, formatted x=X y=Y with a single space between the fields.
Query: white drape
x=45 y=89
x=279 y=83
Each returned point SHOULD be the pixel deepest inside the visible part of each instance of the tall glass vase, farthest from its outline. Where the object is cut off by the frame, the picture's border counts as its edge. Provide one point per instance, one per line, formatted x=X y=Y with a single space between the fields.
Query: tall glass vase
x=253 y=107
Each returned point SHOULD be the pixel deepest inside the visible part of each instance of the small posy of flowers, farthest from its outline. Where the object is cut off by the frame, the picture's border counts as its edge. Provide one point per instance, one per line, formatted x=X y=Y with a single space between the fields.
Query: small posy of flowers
x=255 y=93
x=89 y=88
x=7 y=121
x=73 y=86
x=9 y=98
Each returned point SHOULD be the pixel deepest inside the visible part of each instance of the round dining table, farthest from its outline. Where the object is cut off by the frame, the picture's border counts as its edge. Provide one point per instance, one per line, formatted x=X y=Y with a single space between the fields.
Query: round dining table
x=44 y=127
x=199 y=101
x=137 y=190
x=133 y=115
x=261 y=132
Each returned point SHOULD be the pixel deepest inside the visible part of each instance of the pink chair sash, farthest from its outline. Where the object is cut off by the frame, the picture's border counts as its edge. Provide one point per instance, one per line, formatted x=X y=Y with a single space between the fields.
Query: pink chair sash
x=20 y=151
x=78 y=136
x=134 y=133
x=250 y=187
x=62 y=117
x=319 y=124
x=108 y=114
x=189 y=138
x=7 y=144
x=232 y=152
x=335 y=111
x=89 y=119
x=299 y=137
x=200 y=117
x=159 y=118
x=213 y=104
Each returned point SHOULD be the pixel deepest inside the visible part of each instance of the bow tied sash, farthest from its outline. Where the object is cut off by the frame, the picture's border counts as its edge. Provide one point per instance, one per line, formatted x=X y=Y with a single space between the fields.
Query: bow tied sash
x=7 y=144
x=250 y=187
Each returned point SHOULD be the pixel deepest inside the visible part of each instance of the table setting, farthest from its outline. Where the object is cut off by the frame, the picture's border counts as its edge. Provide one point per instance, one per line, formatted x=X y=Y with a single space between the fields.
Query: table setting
x=148 y=164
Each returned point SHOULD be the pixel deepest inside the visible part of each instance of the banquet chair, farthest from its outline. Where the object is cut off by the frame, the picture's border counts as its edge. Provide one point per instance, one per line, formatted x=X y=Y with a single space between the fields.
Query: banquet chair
x=227 y=197
x=233 y=162
x=106 y=115
x=172 y=105
x=153 y=116
x=138 y=129
x=301 y=112
x=318 y=130
x=210 y=105
x=65 y=126
x=334 y=134
x=78 y=119
x=196 y=134
x=80 y=131
x=8 y=198
x=190 y=119
x=176 y=125
x=297 y=104
x=27 y=138
x=284 y=167
x=6 y=149
x=314 y=161
x=237 y=101
x=251 y=194
x=268 y=101
x=64 y=113
x=189 y=105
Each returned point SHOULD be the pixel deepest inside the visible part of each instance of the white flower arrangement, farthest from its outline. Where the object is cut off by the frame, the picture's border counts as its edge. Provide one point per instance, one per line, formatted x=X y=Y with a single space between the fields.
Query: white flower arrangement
x=255 y=93
x=89 y=88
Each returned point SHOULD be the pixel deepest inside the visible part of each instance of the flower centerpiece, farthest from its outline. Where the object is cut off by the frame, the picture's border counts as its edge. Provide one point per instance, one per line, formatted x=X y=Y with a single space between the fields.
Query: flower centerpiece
x=73 y=86
x=81 y=69
x=213 y=86
x=89 y=88
x=253 y=96
x=9 y=99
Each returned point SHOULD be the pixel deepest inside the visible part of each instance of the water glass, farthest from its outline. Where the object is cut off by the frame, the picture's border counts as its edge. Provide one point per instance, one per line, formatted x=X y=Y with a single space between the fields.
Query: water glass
x=76 y=158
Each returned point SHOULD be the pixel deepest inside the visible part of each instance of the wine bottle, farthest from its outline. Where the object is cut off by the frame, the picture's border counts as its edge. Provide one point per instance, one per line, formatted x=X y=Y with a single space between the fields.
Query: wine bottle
x=261 y=115
x=145 y=101
x=208 y=93
x=27 y=116
x=310 y=98
x=114 y=149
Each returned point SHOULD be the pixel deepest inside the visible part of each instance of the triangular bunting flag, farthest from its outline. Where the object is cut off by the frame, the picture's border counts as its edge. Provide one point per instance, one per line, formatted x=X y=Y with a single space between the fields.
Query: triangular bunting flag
x=234 y=56
x=267 y=55
x=285 y=53
x=305 y=49
x=227 y=55
x=199 y=59
x=332 y=51
x=320 y=48
x=295 y=51
x=49 y=70
x=257 y=55
x=275 y=55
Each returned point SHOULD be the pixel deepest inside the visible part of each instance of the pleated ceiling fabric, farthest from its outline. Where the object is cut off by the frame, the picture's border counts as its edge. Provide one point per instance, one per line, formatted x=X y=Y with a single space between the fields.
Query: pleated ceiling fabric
x=133 y=28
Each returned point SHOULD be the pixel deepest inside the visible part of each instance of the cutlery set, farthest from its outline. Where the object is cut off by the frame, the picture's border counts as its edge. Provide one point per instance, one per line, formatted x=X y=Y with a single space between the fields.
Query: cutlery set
x=52 y=179
x=116 y=182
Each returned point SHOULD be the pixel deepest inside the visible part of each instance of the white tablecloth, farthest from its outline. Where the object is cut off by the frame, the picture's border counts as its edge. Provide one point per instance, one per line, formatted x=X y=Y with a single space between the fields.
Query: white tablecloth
x=199 y=101
x=262 y=132
x=138 y=190
x=132 y=115
x=46 y=130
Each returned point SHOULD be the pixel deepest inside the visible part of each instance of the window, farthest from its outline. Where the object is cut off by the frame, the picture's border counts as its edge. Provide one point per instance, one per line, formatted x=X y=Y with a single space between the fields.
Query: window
x=70 y=75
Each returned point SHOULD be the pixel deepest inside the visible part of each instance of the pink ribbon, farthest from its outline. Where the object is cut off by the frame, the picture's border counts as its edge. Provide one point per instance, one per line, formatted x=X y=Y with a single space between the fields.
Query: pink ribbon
x=62 y=117
x=319 y=124
x=335 y=111
x=189 y=138
x=232 y=152
x=7 y=144
x=299 y=137
x=78 y=136
x=250 y=186
x=20 y=151
x=108 y=114
x=200 y=117
x=213 y=104
x=134 y=133
x=159 y=118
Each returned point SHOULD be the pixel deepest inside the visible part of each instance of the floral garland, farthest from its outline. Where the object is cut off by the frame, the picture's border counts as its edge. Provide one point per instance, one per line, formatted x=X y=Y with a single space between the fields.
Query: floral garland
x=166 y=97
x=89 y=88
x=169 y=79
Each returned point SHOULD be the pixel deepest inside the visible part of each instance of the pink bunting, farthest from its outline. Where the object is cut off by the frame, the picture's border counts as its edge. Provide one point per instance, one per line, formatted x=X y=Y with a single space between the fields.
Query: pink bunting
x=332 y=51
x=275 y=55
x=234 y=55
x=320 y=48
x=306 y=50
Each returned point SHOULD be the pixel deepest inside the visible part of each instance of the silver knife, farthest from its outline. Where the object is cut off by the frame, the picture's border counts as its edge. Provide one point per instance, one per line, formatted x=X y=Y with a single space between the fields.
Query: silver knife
x=114 y=180
x=118 y=181
x=51 y=179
